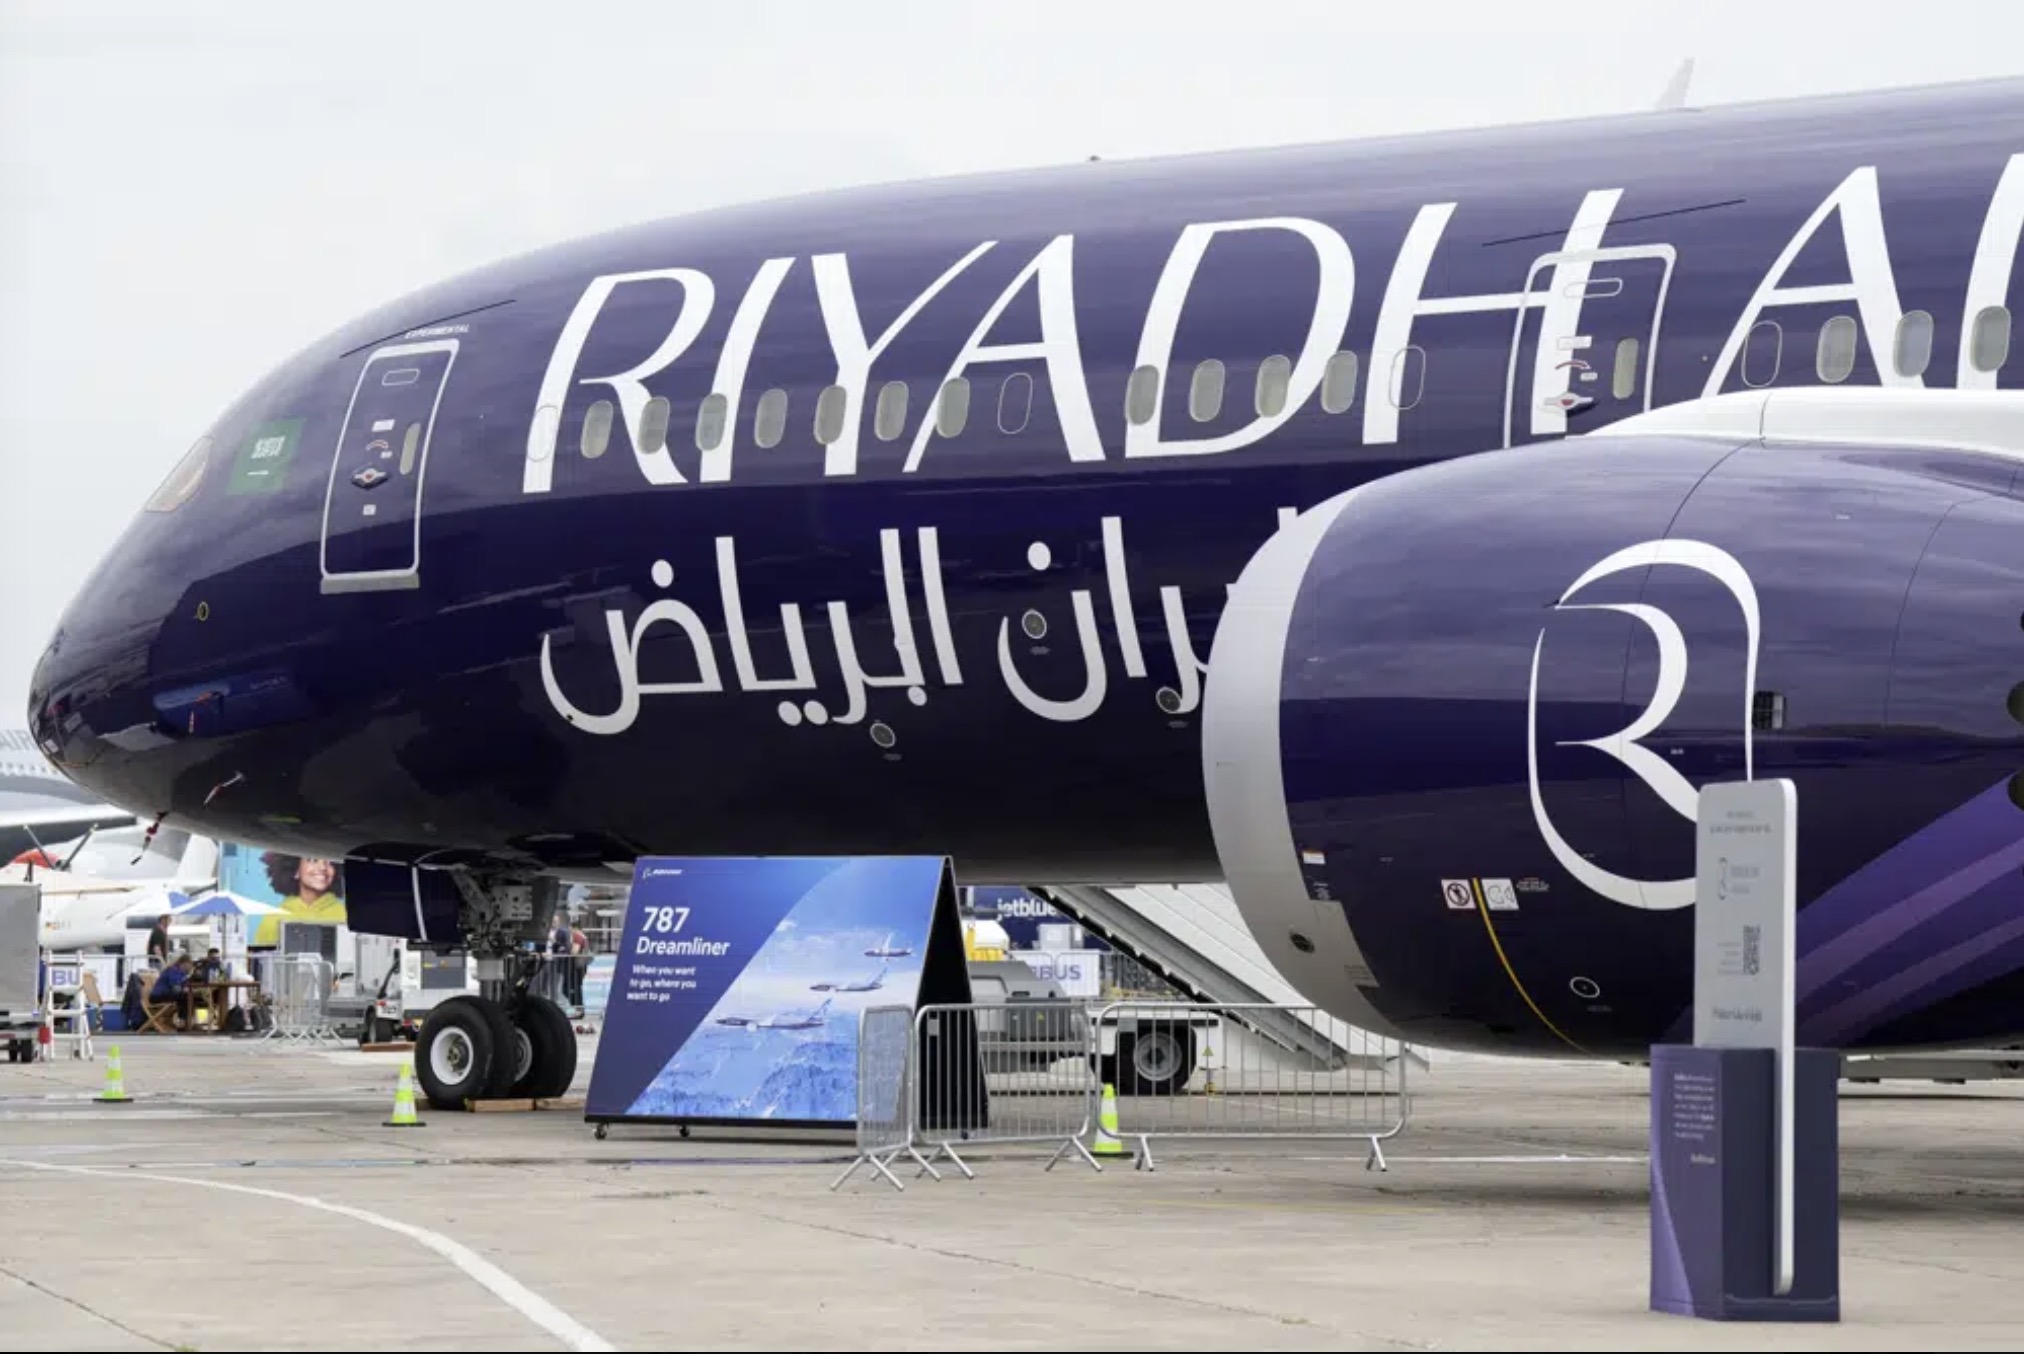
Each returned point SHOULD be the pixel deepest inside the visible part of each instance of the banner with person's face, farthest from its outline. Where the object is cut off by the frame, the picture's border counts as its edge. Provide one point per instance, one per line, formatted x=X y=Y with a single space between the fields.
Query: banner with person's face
x=305 y=888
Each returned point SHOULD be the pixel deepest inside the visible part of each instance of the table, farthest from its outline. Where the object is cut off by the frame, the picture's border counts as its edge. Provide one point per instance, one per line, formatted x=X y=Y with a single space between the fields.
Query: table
x=216 y=993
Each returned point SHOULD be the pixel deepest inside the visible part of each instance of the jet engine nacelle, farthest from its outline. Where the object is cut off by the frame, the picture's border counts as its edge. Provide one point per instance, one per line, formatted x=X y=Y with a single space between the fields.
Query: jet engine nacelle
x=1456 y=721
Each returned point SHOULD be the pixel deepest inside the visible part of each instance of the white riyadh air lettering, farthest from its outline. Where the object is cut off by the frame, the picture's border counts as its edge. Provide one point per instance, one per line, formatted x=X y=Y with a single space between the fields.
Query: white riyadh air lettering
x=1871 y=285
x=1554 y=284
x=1626 y=744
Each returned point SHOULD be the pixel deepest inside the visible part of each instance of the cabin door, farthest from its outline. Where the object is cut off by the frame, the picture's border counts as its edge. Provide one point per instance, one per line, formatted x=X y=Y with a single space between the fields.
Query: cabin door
x=372 y=511
x=1584 y=347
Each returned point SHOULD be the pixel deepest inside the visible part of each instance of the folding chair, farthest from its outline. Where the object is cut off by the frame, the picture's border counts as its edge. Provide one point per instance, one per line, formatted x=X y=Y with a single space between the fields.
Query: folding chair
x=161 y=1015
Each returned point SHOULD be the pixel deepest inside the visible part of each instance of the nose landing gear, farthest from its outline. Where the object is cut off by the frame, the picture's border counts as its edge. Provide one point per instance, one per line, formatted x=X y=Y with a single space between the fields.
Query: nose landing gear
x=509 y=1042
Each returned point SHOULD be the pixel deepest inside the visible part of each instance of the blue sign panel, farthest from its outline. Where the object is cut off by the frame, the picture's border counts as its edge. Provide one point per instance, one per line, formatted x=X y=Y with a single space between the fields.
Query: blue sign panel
x=739 y=984
x=1714 y=1164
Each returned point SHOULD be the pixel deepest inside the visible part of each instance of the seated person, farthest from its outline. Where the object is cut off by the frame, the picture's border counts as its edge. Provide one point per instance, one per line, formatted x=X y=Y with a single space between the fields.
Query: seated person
x=211 y=968
x=173 y=986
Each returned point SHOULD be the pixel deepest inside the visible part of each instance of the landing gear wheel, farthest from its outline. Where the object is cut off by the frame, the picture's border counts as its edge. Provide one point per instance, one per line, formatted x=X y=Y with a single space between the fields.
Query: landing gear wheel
x=1157 y=1060
x=543 y=1029
x=465 y=1053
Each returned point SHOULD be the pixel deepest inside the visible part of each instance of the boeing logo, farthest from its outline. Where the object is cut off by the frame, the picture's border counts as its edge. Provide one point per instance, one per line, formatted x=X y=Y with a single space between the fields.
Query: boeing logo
x=1626 y=744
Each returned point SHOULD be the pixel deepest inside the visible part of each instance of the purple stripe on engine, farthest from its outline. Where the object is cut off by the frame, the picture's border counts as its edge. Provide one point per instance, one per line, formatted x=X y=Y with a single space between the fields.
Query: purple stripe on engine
x=1988 y=908
x=1856 y=970
x=1956 y=969
x=1881 y=903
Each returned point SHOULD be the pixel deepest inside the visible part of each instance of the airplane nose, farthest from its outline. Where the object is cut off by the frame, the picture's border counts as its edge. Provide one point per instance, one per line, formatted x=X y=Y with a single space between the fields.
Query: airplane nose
x=91 y=700
x=86 y=707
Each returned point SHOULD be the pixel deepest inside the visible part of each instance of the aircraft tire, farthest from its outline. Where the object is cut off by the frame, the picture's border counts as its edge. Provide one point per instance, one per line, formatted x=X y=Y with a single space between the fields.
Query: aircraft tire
x=1157 y=1061
x=553 y=1042
x=465 y=1053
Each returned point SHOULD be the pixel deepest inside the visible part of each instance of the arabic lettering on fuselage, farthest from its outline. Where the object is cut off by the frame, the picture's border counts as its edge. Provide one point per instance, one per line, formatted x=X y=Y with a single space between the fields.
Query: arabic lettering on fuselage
x=1178 y=696
x=1555 y=283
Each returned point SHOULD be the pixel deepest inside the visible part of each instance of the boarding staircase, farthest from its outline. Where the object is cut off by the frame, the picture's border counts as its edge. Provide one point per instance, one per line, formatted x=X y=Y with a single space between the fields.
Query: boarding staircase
x=1193 y=937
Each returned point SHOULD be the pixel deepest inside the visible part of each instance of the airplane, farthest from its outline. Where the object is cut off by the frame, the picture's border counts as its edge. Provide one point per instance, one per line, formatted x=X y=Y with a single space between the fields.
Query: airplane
x=885 y=950
x=872 y=984
x=111 y=883
x=1333 y=521
x=39 y=804
x=812 y=1021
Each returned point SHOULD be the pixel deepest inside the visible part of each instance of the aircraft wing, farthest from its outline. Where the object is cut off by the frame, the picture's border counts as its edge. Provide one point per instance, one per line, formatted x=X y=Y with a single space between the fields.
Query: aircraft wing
x=32 y=829
x=66 y=815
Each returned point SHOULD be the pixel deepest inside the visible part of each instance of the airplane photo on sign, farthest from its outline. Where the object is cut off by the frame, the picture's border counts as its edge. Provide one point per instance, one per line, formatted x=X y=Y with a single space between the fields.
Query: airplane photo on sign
x=812 y=1020
x=872 y=984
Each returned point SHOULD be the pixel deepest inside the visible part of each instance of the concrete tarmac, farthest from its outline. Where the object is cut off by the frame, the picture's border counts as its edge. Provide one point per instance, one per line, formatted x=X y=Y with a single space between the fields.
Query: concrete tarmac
x=250 y=1197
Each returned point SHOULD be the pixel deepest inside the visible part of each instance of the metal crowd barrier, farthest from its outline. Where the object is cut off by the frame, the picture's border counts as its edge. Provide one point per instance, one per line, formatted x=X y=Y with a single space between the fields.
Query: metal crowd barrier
x=1223 y=1070
x=298 y=990
x=1001 y=1073
x=885 y=1088
x=954 y=1078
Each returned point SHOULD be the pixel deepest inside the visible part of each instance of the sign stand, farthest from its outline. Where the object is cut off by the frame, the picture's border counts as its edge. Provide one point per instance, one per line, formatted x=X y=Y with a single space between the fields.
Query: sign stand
x=1744 y=1138
x=740 y=985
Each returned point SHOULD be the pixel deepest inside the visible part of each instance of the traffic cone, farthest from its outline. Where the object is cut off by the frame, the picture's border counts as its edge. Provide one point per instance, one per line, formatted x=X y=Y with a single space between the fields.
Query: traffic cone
x=1107 y=1143
x=115 y=1082
x=404 y=1100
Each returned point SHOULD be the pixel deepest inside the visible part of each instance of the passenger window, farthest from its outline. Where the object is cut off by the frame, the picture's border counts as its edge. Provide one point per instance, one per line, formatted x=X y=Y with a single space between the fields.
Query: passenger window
x=1762 y=352
x=410 y=444
x=1142 y=395
x=953 y=409
x=547 y=428
x=1989 y=345
x=1015 y=402
x=890 y=418
x=1623 y=377
x=711 y=418
x=654 y=420
x=1205 y=392
x=596 y=430
x=769 y=424
x=829 y=409
x=1834 y=356
x=1409 y=376
x=1338 y=383
x=1275 y=379
x=1913 y=349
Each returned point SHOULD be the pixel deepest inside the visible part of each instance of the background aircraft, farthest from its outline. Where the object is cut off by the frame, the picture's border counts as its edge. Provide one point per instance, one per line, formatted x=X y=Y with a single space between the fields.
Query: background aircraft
x=39 y=805
x=112 y=882
x=1336 y=520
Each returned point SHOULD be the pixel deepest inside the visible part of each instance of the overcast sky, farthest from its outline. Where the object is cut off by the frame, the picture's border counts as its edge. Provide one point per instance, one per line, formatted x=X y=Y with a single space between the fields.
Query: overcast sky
x=180 y=180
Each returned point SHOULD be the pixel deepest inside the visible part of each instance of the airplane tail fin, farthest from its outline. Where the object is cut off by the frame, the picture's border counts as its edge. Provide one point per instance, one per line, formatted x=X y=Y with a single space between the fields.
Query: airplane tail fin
x=1675 y=95
x=199 y=861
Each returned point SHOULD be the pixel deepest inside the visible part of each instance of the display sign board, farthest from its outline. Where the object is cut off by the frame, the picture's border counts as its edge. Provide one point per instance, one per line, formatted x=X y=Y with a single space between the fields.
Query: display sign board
x=739 y=984
x=1746 y=868
x=1744 y=1224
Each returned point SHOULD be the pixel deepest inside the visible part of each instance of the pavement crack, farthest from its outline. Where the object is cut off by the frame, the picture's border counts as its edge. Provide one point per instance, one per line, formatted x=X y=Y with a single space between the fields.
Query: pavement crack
x=87 y=1309
x=1037 y=1272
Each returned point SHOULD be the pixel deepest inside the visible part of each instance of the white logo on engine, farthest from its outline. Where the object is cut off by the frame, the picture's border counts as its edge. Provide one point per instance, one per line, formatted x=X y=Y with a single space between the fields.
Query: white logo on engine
x=1625 y=745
